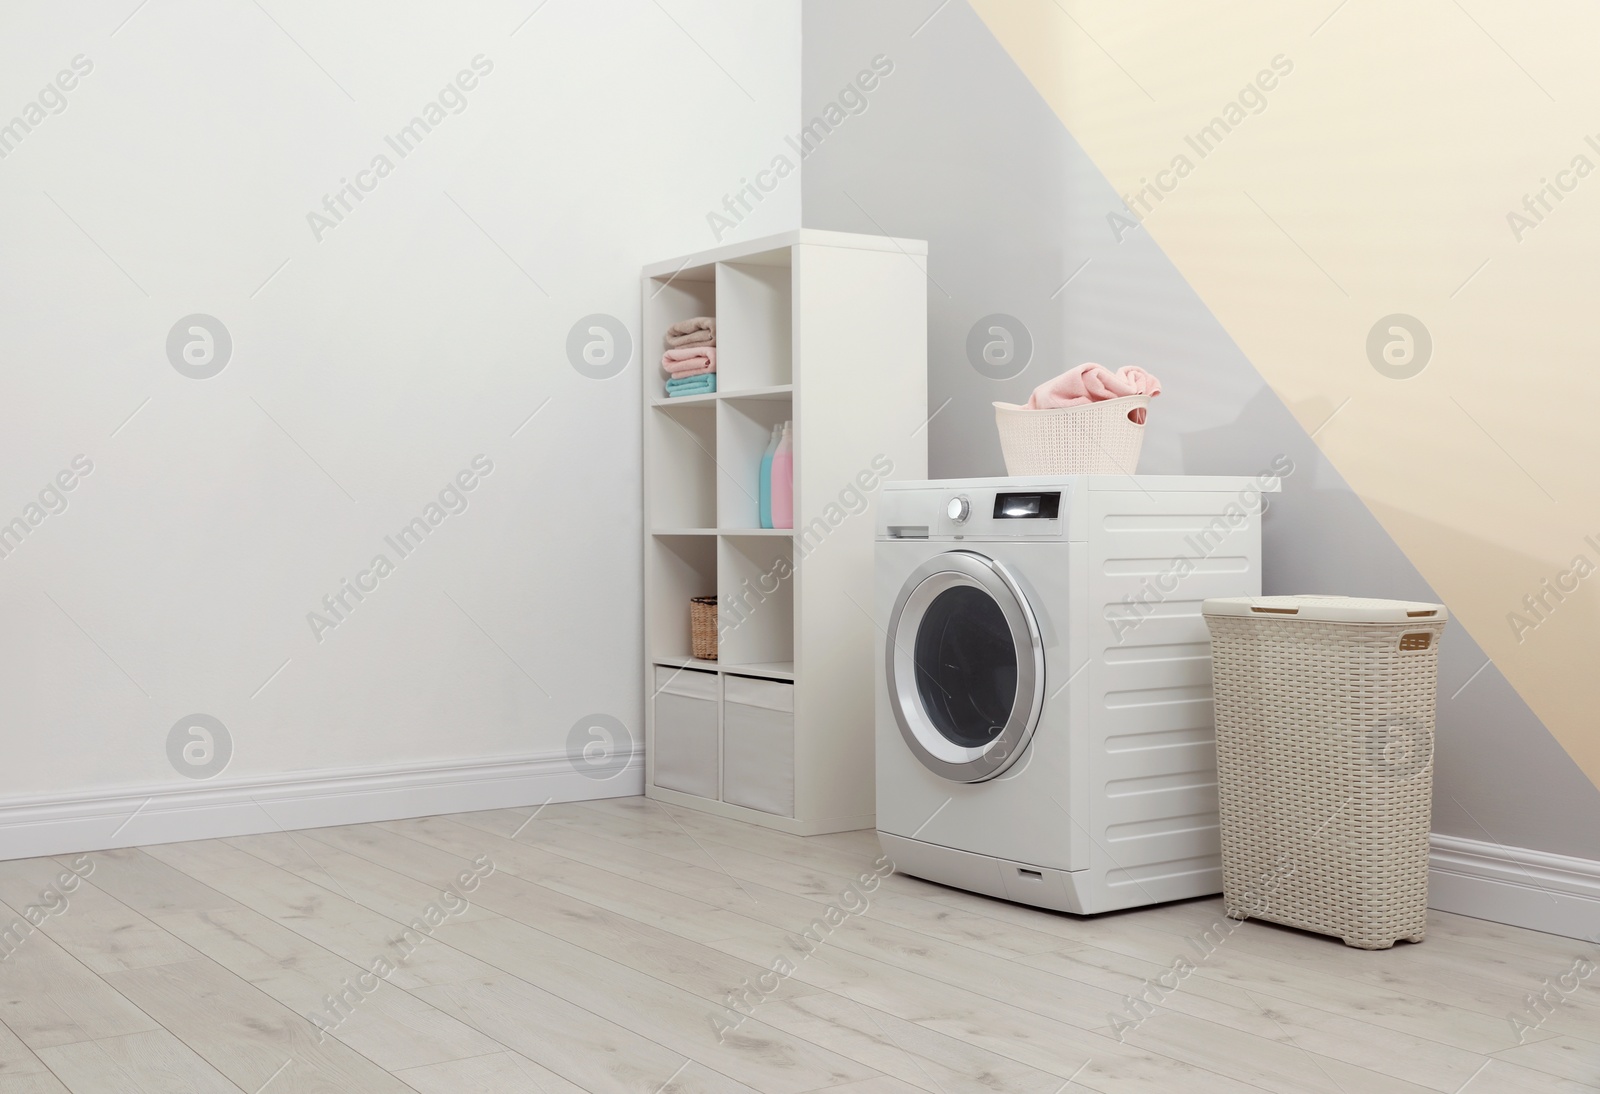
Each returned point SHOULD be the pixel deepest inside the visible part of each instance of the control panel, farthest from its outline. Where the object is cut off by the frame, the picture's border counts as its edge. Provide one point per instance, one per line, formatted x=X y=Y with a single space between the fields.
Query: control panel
x=976 y=510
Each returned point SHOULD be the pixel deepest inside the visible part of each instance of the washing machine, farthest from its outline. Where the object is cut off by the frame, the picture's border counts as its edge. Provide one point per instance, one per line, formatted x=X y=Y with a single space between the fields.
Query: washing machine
x=1044 y=726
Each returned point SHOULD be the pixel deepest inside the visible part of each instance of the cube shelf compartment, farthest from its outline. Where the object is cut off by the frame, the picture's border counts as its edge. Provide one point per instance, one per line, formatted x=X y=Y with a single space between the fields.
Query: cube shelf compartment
x=827 y=330
x=685 y=439
x=755 y=599
x=754 y=332
x=679 y=567
x=744 y=429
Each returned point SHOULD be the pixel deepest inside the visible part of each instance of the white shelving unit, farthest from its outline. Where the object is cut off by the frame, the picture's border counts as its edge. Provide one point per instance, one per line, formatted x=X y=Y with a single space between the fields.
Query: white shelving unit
x=828 y=330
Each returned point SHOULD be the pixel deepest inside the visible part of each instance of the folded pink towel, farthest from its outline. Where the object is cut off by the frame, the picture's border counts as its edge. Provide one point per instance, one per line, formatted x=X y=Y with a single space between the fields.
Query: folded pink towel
x=675 y=362
x=692 y=332
x=1091 y=383
x=703 y=370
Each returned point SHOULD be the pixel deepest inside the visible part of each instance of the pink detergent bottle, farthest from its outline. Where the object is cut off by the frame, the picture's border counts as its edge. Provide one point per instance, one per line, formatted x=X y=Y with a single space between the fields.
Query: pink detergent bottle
x=783 y=480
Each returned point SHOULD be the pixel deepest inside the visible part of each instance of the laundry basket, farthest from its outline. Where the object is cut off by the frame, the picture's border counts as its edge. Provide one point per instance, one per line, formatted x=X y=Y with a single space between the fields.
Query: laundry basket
x=1325 y=726
x=1095 y=439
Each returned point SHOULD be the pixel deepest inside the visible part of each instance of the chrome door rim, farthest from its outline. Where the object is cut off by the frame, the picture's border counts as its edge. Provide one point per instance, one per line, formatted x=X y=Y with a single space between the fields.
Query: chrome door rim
x=938 y=754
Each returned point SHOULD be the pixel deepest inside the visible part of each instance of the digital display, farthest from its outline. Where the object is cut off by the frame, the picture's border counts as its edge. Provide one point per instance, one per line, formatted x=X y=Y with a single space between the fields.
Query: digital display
x=1027 y=506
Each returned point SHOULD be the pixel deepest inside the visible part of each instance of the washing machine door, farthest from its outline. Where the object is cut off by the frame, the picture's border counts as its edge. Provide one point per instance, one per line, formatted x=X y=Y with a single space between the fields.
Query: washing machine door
x=965 y=666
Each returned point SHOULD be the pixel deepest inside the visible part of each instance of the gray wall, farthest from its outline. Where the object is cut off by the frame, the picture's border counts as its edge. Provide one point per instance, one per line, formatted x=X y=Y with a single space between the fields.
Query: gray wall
x=956 y=147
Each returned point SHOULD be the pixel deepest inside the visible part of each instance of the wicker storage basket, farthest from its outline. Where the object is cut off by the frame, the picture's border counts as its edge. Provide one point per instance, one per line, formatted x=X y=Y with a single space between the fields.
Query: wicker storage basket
x=703 y=627
x=1325 y=722
x=1095 y=439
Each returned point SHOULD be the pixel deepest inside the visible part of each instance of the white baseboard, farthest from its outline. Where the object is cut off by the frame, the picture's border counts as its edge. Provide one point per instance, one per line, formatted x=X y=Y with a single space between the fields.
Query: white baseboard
x=169 y=814
x=1543 y=892
x=1557 y=894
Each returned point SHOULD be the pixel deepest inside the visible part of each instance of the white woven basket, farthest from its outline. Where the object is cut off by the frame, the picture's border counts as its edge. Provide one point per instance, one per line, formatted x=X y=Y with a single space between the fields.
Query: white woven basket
x=1095 y=439
x=1325 y=725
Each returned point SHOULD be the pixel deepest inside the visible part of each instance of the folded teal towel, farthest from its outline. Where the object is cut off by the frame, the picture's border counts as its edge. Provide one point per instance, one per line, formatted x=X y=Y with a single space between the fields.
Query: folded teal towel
x=703 y=384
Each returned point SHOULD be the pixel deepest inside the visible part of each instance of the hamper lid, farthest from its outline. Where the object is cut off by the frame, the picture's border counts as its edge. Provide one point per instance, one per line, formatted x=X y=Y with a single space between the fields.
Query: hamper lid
x=1328 y=609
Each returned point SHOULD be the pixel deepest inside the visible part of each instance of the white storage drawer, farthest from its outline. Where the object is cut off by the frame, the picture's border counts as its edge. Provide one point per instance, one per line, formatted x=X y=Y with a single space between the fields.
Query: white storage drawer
x=758 y=744
x=686 y=731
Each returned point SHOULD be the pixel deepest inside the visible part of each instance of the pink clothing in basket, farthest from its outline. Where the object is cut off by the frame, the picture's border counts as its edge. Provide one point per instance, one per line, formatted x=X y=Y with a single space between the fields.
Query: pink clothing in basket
x=1091 y=383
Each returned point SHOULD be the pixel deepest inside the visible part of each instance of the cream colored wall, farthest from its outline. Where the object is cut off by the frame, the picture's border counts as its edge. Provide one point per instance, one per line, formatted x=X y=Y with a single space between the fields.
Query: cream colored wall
x=1378 y=178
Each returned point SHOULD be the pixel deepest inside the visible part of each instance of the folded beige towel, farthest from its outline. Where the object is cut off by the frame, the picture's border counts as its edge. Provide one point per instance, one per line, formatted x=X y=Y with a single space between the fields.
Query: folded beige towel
x=702 y=329
x=697 y=338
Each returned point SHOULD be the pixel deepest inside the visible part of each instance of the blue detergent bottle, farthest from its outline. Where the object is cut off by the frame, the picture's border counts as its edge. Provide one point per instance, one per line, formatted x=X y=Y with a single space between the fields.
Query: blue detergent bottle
x=765 y=488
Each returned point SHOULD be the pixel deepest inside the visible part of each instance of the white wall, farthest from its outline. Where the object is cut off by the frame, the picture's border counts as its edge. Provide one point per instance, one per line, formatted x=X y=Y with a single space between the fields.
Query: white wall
x=367 y=369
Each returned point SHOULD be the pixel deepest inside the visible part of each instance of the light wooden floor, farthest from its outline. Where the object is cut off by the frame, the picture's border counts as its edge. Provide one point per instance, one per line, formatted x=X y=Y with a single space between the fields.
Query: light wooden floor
x=606 y=941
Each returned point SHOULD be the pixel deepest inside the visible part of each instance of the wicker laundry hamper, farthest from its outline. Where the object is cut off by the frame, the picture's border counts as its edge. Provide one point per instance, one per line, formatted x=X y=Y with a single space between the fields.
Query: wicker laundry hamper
x=1325 y=728
x=1095 y=439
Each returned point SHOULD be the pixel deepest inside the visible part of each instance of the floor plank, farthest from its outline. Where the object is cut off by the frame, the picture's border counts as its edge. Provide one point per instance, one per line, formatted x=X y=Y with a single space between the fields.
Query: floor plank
x=246 y=1035
x=882 y=1084
x=766 y=1058
x=499 y=1073
x=333 y=921
x=626 y=894
x=1017 y=1033
x=41 y=1083
x=912 y=1054
x=391 y=1027
x=21 y=1069
x=48 y=997
x=588 y=1051
x=654 y=951
x=388 y=1024
x=1567 y=1057
x=99 y=931
x=155 y=1062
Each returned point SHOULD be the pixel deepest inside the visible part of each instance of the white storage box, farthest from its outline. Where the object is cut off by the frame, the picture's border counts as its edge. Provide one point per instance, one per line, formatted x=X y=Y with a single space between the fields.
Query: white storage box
x=758 y=744
x=1325 y=728
x=686 y=731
